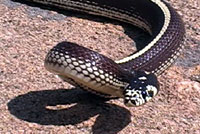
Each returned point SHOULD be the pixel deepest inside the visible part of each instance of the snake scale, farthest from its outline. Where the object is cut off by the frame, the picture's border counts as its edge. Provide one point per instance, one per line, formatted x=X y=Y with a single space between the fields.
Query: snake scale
x=133 y=78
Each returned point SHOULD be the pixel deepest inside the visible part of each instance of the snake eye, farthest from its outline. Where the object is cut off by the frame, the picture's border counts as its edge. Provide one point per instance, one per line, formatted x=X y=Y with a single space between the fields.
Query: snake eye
x=144 y=93
x=142 y=88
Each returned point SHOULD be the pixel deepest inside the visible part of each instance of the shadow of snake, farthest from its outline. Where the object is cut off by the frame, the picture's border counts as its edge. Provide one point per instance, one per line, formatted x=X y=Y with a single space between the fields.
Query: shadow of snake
x=32 y=107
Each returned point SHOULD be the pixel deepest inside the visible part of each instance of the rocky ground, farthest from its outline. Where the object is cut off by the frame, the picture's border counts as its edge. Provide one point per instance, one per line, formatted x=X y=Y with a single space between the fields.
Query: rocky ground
x=35 y=101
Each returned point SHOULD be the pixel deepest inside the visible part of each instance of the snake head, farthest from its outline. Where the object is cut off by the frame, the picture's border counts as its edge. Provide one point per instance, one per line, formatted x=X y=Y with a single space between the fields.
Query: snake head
x=143 y=87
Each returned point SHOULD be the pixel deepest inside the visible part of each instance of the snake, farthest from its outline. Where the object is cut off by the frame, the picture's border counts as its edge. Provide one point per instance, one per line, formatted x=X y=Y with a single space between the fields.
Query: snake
x=133 y=78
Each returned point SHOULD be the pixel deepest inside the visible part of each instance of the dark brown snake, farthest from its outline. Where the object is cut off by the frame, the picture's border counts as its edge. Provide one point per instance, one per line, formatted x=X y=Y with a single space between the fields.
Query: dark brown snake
x=134 y=77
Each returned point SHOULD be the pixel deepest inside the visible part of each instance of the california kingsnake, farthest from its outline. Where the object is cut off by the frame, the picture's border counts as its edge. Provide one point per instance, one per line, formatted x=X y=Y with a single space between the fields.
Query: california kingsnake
x=134 y=77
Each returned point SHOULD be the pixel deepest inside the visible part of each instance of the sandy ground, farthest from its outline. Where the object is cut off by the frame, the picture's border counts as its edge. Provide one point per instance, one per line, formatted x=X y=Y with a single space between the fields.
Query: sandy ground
x=35 y=101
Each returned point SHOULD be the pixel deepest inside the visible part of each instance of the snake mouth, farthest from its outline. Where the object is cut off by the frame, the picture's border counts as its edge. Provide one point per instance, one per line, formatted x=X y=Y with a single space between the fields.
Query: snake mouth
x=135 y=97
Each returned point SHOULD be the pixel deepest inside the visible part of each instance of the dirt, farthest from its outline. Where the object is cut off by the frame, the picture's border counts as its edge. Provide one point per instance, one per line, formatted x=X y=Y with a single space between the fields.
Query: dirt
x=35 y=101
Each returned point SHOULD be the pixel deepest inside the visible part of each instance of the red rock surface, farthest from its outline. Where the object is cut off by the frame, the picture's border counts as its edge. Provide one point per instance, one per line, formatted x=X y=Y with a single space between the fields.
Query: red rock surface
x=35 y=101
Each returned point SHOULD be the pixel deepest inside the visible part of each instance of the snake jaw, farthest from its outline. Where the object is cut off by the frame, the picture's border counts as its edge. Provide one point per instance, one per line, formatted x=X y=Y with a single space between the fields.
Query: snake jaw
x=141 y=89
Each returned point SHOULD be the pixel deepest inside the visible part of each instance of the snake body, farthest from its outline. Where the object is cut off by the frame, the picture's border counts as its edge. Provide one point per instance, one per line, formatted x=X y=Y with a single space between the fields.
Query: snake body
x=134 y=77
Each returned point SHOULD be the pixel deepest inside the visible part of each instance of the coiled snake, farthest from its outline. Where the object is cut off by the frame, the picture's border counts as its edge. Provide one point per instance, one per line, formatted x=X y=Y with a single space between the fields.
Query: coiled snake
x=134 y=77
